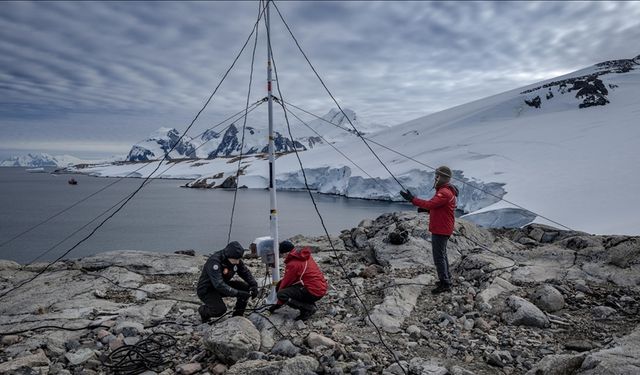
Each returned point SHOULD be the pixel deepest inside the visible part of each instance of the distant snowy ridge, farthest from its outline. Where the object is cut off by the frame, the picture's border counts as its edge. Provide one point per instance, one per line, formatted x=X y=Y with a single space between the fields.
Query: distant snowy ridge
x=575 y=165
x=45 y=160
x=227 y=142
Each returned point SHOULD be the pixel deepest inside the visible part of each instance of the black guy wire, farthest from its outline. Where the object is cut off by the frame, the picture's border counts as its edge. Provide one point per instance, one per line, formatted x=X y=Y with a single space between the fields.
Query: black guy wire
x=353 y=287
x=433 y=168
x=148 y=177
x=334 y=99
x=244 y=125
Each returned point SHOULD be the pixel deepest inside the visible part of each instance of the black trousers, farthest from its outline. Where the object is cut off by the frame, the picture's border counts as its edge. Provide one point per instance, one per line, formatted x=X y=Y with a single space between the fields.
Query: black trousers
x=440 y=259
x=214 y=305
x=298 y=297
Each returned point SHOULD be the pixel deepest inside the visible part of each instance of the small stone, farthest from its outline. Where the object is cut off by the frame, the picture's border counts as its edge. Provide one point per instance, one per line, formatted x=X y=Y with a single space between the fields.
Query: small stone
x=188 y=368
x=254 y=355
x=131 y=340
x=107 y=339
x=108 y=323
x=10 y=339
x=602 y=312
x=117 y=342
x=314 y=340
x=102 y=333
x=492 y=339
x=80 y=356
x=579 y=345
x=285 y=348
x=582 y=287
x=99 y=293
x=219 y=369
x=468 y=324
x=71 y=345
x=481 y=324
x=299 y=325
x=128 y=328
x=413 y=331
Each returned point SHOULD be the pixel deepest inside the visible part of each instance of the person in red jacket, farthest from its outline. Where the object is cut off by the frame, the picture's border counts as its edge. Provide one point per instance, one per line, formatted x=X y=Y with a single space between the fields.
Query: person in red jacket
x=303 y=283
x=441 y=222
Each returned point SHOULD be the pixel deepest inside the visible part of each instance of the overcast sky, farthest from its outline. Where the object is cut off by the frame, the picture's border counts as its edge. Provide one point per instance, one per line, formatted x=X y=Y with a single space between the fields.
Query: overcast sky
x=91 y=78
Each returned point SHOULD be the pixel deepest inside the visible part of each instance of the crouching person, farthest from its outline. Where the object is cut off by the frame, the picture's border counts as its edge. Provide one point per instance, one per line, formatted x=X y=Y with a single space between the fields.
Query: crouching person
x=216 y=282
x=303 y=283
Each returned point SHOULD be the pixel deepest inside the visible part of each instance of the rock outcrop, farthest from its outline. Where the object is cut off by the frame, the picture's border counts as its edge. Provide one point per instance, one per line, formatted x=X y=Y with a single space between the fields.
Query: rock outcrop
x=535 y=300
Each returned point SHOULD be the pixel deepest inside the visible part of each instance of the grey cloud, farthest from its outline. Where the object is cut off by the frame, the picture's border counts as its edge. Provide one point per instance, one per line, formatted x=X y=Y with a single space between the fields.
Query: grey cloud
x=156 y=63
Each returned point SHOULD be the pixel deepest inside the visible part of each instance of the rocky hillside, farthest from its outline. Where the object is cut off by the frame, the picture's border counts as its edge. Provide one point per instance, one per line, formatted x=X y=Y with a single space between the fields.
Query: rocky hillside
x=589 y=89
x=535 y=300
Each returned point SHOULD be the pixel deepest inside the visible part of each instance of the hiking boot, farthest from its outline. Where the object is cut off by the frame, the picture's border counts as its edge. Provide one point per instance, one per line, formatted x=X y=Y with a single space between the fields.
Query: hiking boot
x=203 y=316
x=441 y=288
x=305 y=314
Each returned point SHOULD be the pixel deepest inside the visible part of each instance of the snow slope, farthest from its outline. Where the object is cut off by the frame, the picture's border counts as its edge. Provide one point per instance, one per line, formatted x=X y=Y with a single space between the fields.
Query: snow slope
x=571 y=155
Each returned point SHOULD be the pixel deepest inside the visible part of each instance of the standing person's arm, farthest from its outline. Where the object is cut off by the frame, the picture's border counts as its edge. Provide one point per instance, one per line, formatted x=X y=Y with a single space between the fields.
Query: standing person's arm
x=441 y=198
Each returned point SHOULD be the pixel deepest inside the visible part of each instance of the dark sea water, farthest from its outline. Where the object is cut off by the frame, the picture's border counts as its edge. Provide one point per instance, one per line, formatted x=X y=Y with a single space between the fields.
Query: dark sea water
x=162 y=217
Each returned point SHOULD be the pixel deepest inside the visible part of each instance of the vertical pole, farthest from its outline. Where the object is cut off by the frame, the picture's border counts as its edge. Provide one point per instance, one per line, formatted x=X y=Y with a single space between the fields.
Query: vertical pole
x=273 y=213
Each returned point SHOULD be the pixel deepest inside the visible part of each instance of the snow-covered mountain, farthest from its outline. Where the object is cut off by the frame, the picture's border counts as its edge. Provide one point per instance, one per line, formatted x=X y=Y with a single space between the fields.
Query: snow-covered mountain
x=565 y=149
x=212 y=143
x=41 y=159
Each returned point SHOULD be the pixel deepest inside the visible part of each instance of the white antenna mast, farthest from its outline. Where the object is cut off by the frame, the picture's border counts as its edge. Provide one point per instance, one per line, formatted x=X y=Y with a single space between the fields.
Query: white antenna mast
x=273 y=213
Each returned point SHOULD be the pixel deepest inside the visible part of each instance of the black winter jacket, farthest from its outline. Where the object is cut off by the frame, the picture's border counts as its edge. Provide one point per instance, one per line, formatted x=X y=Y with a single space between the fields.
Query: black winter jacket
x=218 y=270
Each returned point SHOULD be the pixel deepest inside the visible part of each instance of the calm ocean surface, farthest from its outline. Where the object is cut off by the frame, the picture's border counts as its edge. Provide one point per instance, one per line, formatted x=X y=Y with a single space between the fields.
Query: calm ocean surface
x=162 y=217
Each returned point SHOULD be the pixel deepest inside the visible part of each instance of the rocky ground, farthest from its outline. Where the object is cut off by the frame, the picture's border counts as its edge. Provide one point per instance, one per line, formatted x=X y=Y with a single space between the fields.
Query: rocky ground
x=535 y=300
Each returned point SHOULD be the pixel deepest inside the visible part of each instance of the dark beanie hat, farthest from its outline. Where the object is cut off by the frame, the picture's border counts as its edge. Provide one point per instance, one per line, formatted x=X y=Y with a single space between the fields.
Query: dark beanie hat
x=234 y=250
x=285 y=246
x=444 y=171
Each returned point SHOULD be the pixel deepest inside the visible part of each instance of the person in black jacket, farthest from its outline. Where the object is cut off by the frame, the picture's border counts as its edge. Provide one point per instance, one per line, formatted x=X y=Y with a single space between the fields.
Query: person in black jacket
x=216 y=282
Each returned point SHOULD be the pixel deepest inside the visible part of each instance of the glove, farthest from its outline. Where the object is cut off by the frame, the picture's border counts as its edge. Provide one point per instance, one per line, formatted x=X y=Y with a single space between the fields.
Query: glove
x=420 y=209
x=243 y=294
x=254 y=291
x=406 y=195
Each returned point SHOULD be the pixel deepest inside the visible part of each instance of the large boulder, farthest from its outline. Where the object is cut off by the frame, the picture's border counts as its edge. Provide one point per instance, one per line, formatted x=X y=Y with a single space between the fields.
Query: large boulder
x=398 y=303
x=522 y=312
x=498 y=286
x=232 y=339
x=548 y=298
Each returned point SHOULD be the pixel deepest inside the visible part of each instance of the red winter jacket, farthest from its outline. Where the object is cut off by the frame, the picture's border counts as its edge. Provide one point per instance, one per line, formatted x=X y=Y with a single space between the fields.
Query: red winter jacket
x=300 y=268
x=441 y=207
